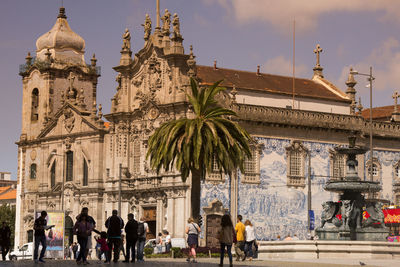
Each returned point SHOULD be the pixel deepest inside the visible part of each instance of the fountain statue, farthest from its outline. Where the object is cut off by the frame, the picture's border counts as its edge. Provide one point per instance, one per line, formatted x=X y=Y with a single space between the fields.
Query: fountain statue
x=344 y=220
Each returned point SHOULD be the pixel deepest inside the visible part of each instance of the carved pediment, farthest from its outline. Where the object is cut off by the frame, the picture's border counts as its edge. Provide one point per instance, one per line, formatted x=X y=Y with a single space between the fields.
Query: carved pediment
x=69 y=120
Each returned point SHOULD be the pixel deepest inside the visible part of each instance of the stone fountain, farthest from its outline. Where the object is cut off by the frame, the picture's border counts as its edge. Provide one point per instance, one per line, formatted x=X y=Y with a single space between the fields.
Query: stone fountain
x=343 y=220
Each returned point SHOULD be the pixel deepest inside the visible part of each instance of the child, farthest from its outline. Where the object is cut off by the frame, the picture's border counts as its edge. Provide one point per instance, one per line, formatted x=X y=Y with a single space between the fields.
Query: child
x=104 y=247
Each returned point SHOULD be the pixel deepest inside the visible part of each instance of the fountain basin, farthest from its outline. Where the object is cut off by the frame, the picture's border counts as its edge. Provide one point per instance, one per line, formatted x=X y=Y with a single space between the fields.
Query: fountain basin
x=341 y=186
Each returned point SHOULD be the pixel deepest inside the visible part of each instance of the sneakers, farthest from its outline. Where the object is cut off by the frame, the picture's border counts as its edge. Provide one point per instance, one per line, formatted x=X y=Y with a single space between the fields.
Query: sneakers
x=41 y=260
x=194 y=261
x=188 y=259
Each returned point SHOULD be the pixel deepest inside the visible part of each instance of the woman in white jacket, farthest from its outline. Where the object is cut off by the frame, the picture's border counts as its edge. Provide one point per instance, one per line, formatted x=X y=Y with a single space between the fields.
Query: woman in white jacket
x=250 y=238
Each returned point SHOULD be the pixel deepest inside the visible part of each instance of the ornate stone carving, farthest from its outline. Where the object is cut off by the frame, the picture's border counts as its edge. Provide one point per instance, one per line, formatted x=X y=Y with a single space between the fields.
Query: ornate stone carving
x=329 y=211
x=68 y=142
x=176 y=27
x=376 y=217
x=69 y=119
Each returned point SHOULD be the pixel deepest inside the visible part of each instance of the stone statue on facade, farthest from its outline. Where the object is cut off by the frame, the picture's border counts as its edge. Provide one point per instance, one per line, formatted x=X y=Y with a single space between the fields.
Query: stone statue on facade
x=166 y=22
x=176 y=26
x=126 y=45
x=147 y=27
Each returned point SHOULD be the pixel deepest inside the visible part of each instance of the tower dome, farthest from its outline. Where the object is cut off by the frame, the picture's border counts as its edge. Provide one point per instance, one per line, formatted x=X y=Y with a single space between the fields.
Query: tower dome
x=63 y=43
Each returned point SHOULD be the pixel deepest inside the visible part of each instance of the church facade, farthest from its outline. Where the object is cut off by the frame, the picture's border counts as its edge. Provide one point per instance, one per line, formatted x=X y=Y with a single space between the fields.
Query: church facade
x=71 y=156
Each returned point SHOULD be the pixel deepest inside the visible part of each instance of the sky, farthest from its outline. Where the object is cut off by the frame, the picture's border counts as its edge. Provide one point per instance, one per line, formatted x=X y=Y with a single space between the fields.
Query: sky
x=239 y=34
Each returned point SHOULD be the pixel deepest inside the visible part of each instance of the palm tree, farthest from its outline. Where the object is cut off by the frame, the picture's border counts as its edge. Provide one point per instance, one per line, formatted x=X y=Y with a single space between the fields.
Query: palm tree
x=196 y=145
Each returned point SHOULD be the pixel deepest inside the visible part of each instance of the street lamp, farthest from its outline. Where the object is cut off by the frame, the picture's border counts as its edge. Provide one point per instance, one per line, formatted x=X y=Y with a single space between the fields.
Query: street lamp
x=62 y=183
x=371 y=149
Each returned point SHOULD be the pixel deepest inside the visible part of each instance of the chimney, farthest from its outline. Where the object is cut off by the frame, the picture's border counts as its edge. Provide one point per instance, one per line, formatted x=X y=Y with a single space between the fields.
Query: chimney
x=215 y=64
x=258 y=70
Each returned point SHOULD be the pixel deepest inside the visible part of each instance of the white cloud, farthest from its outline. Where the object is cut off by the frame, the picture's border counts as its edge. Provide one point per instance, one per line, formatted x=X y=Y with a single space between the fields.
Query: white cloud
x=282 y=66
x=282 y=12
x=385 y=61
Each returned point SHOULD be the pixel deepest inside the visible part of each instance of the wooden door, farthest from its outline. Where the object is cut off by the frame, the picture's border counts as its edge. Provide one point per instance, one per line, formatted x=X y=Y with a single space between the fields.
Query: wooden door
x=213 y=227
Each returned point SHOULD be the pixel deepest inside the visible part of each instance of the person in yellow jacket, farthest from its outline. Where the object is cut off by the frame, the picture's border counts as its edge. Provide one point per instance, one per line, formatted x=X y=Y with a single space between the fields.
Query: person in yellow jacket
x=239 y=246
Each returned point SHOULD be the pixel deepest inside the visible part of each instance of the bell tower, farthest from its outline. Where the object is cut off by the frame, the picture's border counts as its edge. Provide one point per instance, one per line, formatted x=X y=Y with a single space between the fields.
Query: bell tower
x=58 y=73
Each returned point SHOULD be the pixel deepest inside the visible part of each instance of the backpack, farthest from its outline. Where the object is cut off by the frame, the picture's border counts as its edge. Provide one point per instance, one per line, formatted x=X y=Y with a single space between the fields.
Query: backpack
x=140 y=230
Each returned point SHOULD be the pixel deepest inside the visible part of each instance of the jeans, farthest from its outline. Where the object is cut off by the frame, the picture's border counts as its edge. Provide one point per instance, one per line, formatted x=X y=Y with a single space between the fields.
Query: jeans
x=114 y=242
x=39 y=240
x=222 y=252
x=83 y=243
x=248 y=248
x=130 y=247
x=140 y=248
x=168 y=247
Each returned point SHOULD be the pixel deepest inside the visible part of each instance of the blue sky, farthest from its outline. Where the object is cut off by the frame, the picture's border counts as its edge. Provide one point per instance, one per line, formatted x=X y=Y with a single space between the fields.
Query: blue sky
x=239 y=34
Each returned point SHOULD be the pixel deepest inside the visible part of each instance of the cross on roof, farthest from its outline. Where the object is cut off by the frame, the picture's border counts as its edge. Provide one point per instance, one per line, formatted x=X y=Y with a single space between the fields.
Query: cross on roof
x=317 y=51
x=395 y=96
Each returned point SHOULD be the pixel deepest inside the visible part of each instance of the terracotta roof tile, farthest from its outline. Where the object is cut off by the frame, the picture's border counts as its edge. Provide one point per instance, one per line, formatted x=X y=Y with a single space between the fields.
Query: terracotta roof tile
x=269 y=83
x=12 y=194
x=379 y=113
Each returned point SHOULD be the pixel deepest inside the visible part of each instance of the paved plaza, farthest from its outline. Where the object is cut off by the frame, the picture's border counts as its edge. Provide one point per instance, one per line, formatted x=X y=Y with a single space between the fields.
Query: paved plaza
x=214 y=262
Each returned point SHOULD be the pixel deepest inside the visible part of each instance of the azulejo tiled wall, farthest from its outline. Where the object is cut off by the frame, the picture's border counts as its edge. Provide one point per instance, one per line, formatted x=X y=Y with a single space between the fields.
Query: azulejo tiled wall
x=276 y=209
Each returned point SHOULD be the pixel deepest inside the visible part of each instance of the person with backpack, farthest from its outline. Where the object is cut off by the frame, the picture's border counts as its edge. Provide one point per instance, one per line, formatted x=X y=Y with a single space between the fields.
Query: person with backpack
x=143 y=229
x=83 y=229
x=114 y=224
x=131 y=231
x=192 y=230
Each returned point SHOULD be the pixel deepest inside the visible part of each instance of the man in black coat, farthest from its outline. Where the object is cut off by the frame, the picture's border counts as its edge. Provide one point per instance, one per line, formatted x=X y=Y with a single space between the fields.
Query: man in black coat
x=5 y=237
x=131 y=229
x=114 y=224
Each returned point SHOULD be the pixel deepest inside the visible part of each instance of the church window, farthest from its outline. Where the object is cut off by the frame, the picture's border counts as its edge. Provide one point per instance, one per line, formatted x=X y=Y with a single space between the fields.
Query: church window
x=53 y=174
x=35 y=105
x=296 y=155
x=70 y=166
x=30 y=235
x=215 y=174
x=337 y=163
x=136 y=157
x=85 y=173
x=397 y=170
x=251 y=172
x=33 y=171
x=375 y=168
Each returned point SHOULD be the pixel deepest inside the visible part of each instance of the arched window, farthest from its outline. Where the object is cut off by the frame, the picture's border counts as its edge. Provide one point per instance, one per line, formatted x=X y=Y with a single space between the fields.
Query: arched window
x=35 y=105
x=53 y=174
x=32 y=172
x=375 y=168
x=337 y=163
x=70 y=166
x=296 y=155
x=85 y=173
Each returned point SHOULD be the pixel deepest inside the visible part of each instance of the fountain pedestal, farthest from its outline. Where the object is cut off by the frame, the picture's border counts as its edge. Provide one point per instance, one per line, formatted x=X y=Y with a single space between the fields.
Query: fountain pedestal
x=343 y=220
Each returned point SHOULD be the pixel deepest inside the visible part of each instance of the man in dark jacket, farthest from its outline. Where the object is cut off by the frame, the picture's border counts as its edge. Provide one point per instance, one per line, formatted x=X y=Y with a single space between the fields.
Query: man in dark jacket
x=40 y=238
x=5 y=237
x=131 y=237
x=114 y=224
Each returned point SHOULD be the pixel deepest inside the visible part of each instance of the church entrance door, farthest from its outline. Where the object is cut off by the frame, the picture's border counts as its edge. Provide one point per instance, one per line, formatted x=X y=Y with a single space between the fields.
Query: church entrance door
x=213 y=226
x=150 y=216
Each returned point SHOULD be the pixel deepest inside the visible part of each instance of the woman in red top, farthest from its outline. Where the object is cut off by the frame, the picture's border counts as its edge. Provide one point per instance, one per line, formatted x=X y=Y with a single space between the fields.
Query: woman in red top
x=104 y=247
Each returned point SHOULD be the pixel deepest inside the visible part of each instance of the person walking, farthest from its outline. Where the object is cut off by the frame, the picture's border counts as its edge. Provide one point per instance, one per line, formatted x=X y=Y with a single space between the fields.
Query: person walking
x=226 y=239
x=5 y=237
x=89 y=246
x=240 y=231
x=83 y=229
x=192 y=230
x=250 y=238
x=131 y=231
x=114 y=224
x=143 y=229
x=40 y=226
x=168 y=244
x=102 y=241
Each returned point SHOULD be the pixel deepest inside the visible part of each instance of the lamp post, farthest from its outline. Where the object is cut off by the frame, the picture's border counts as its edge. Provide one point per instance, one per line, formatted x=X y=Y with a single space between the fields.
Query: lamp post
x=309 y=193
x=371 y=149
x=63 y=178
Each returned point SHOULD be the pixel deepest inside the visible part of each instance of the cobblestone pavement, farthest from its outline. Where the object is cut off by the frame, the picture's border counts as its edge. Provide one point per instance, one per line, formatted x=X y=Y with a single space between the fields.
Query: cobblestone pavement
x=213 y=262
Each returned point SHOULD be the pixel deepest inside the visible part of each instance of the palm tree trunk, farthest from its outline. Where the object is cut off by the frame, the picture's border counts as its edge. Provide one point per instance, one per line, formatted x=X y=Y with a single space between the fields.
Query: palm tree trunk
x=195 y=194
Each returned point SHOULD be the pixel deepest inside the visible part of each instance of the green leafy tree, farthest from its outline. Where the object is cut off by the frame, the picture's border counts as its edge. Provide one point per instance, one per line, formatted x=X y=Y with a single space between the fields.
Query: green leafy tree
x=192 y=145
x=7 y=214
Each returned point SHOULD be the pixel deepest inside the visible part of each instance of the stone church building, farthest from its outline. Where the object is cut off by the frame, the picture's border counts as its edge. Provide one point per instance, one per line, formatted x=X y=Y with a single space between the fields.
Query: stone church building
x=71 y=156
